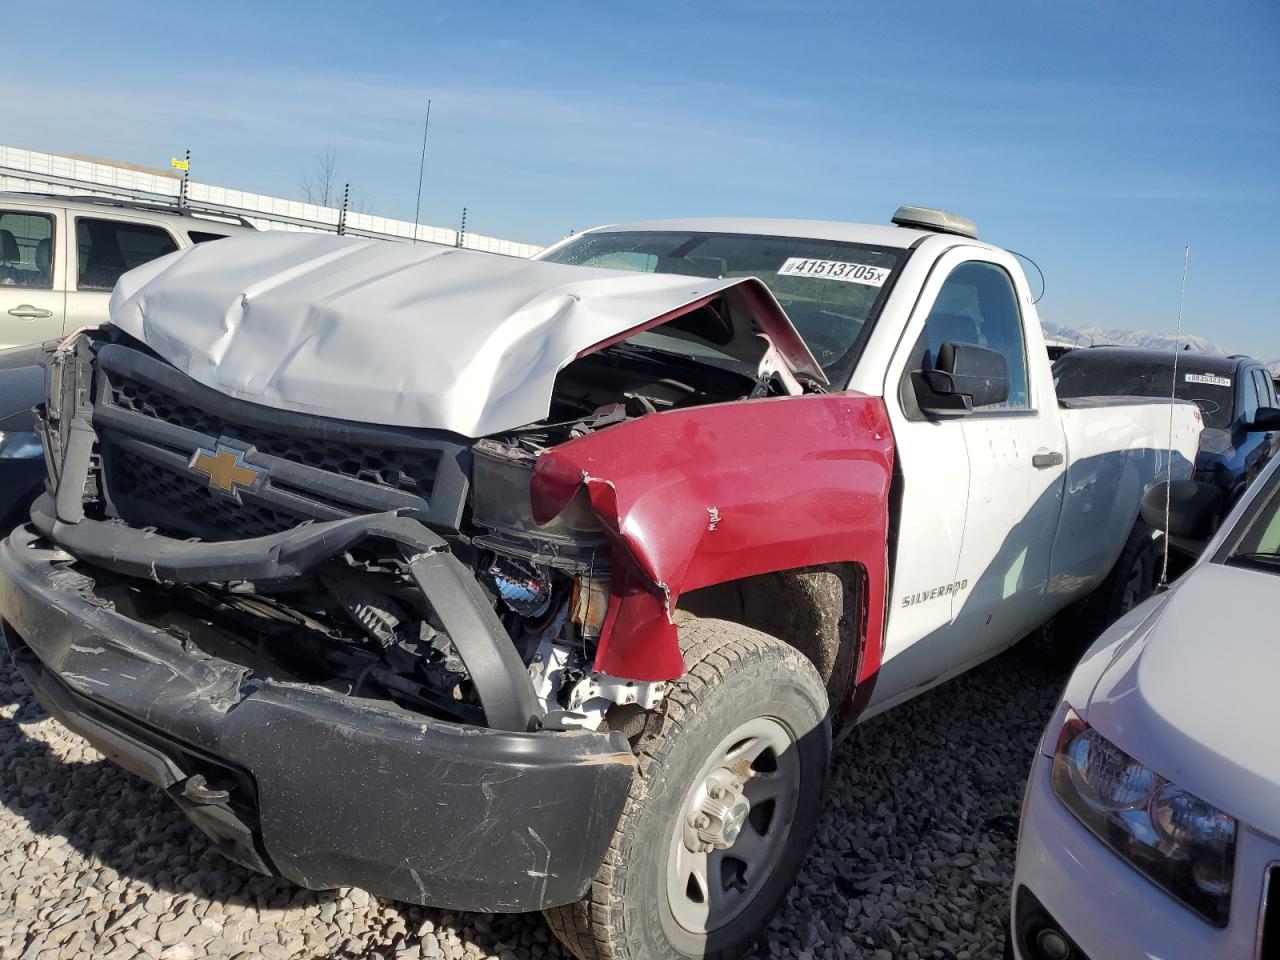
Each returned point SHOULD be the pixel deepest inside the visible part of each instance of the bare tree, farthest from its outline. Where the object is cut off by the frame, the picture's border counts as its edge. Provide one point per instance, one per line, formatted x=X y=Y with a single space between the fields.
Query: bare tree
x=320 y=184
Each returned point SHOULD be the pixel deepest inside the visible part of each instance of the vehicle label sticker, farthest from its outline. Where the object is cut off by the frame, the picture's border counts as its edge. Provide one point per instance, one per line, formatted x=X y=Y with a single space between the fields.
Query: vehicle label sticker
x=1209 y=378
x=834 y=270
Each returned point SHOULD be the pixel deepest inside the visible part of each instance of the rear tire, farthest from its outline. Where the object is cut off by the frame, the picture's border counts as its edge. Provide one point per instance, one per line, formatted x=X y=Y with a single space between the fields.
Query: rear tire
x=722 y=809
x=1131 y=581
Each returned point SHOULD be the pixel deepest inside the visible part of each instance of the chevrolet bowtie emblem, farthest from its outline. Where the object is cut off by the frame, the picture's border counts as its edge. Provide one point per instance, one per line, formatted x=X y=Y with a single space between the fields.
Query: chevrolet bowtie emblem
x=226 y=470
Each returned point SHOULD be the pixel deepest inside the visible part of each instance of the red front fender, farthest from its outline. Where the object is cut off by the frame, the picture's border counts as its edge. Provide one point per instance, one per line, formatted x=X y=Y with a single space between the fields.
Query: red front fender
x=709 y=494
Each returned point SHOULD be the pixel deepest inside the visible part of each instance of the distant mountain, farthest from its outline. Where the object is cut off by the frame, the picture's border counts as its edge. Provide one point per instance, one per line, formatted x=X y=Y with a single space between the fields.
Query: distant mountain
x=1086 y=335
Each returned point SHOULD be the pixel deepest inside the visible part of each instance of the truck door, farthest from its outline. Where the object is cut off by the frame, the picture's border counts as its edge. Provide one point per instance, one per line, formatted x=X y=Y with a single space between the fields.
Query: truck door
x=932 y=487
x=1017 y=460
x=980 y=493
x=32 y=286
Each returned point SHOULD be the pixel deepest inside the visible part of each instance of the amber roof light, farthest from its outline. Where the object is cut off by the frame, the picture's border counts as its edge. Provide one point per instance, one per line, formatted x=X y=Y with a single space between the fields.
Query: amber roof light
x=939 y=221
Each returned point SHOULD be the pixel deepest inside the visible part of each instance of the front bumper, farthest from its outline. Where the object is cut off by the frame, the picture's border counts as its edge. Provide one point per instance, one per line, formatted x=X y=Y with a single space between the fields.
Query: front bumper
x=296 y=780
x=1106 y=907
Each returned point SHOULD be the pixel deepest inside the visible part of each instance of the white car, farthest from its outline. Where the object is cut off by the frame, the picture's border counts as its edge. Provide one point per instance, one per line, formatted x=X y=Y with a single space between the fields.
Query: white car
x=61 y=255
x=1151 y=825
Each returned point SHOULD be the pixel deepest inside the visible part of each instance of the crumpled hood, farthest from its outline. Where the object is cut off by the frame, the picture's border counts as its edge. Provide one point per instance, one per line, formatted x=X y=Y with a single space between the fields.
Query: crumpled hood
x=409 y=335
x=1192 y=692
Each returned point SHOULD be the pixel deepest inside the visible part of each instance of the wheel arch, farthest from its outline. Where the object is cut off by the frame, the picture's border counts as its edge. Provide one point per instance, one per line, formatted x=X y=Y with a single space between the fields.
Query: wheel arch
x=819 y=610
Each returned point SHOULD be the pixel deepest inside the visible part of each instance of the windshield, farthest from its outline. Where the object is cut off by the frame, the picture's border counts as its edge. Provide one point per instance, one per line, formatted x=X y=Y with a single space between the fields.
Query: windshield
x=1094 y=373
x=830 y=290
x=1258 y=543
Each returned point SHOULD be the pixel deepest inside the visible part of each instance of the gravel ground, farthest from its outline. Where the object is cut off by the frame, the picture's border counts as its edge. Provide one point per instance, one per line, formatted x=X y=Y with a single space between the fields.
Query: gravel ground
x=914 y=855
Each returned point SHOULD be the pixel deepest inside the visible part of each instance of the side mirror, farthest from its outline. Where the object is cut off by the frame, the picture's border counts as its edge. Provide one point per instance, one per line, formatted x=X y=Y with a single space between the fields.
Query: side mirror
x=1265 y=420
x=1195 y=510
x=963 y=377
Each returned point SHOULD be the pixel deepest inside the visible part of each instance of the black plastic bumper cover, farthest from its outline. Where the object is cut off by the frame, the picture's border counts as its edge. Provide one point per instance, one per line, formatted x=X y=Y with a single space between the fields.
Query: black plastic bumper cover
x=498 y=673
x=345 y=792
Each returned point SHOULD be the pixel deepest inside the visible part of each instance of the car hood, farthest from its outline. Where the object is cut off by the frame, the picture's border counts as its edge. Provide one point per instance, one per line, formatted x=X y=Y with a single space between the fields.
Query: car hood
x=1192 y=692
x=413 y=335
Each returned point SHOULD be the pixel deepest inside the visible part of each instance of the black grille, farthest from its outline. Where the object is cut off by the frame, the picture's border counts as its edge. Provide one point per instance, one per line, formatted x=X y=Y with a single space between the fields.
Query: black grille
x=150 y=420
x=410 y=470
x=175 y=501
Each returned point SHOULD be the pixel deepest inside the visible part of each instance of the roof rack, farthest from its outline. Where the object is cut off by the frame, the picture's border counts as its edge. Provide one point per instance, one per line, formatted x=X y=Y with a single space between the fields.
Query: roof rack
x=125 y=203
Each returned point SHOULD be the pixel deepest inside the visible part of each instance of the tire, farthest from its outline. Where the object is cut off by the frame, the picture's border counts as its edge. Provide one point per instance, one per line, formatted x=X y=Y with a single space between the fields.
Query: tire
x=641 y=905
x=1132 y=580
x=1134 y=577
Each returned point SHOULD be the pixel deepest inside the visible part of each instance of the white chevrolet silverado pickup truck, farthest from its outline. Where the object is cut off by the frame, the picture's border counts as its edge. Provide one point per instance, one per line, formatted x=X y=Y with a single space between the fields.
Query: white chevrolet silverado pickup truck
x=508 y=585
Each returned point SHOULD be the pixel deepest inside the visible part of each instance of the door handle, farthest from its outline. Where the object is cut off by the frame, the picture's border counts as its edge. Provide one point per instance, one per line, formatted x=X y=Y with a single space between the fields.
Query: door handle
x=1046 y=459
x=26 y=311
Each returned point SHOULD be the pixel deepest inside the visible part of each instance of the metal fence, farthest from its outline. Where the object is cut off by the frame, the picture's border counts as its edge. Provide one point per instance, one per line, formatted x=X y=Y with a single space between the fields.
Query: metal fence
x=36 y=172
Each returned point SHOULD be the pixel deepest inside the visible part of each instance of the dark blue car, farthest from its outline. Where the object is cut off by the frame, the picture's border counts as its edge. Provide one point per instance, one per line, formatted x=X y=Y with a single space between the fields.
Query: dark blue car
x=22 y=469
x=1230 y=392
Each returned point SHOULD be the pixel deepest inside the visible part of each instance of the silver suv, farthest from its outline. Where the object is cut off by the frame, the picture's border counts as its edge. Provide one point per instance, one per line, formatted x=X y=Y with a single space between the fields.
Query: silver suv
x=60 y=256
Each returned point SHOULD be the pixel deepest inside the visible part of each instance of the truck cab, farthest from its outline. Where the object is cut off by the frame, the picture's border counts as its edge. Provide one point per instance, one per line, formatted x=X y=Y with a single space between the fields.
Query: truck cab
x=1004 y=512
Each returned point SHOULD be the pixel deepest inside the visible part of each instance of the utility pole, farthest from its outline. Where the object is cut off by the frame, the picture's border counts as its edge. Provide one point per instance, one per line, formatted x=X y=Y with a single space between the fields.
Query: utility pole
x=462 y=231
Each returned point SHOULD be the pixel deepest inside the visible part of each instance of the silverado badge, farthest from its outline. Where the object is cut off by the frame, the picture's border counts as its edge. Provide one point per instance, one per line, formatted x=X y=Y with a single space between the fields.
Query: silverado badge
x=226 y=470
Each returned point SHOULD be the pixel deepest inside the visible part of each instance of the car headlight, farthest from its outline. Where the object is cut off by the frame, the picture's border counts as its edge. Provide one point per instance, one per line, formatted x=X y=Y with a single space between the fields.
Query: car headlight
x=19 y=445
x=1181 y=843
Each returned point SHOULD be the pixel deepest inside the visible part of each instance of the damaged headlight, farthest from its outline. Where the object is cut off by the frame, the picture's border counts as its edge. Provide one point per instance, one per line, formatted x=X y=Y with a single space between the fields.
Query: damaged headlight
x=503 y=474
x=20 y=445
x=1180 y=842
x=524 y=590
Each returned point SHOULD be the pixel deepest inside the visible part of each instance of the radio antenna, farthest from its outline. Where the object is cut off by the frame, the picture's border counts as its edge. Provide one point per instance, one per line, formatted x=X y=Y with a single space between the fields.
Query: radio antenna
x=422 y=164
x=1173 y=400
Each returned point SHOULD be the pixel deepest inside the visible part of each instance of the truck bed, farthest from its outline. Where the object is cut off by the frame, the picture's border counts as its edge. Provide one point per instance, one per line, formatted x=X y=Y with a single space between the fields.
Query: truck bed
x=1117 y=448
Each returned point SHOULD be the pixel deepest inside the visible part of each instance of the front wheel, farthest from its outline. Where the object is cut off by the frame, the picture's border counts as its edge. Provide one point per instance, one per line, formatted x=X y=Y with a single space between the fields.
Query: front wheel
x=722 y=809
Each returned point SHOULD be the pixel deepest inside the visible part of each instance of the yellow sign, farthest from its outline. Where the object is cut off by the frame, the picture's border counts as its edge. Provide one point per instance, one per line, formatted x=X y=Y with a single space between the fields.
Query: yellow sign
x=180 y=164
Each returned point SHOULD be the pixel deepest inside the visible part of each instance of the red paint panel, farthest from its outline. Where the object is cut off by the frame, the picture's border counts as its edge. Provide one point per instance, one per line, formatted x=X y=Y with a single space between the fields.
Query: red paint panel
x=701 y=496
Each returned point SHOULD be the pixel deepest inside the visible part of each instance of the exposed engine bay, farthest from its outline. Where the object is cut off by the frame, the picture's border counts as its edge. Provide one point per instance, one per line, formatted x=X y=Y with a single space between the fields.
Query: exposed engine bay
x=357 y=623
x=551 y=581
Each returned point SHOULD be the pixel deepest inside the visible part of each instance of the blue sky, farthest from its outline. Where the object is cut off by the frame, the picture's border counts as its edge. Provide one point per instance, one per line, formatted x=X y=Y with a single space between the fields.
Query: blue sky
x=1097 y=137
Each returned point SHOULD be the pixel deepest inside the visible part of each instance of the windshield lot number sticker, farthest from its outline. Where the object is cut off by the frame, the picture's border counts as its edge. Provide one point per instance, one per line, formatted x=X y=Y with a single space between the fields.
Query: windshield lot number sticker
x=834 y=270
x=1208 y=378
